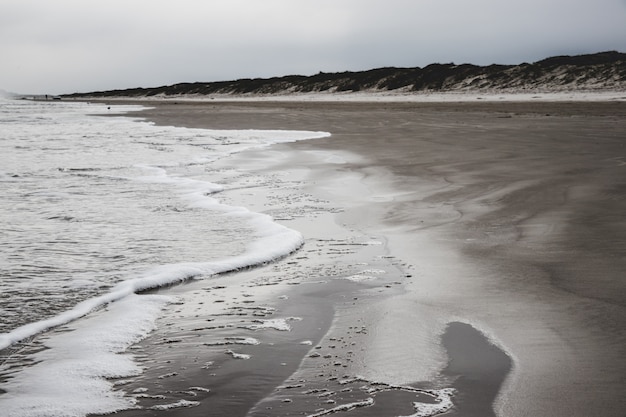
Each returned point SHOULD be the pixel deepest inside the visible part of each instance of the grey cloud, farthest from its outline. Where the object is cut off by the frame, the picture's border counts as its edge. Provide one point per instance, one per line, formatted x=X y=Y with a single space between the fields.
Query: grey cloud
x=73 y=45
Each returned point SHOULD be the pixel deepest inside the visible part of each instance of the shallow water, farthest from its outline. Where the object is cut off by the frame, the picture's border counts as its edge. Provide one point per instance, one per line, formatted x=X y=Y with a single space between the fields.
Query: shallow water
x=90 y=201
x=95 y=209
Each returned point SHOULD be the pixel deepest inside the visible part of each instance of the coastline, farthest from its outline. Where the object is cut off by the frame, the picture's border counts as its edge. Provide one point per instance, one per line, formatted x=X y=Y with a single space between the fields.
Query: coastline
x=393 y=97
x=475 y=204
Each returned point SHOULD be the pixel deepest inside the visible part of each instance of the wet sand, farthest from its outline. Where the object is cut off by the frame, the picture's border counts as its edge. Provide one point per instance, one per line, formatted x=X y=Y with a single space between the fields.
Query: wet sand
x=500 y=235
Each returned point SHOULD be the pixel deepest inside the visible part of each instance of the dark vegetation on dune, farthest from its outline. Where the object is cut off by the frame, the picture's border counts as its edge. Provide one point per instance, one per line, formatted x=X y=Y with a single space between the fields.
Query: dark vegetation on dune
x=601 y=71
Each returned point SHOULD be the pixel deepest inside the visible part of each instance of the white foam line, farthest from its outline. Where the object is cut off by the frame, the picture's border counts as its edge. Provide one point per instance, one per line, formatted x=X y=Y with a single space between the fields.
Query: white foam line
x=346 y=407
x=276 y=324
x=235 y=355
x=121 y=290
x=71 y=377
x=275 y=241
x=201 y=389
x=178 y=404
x=443 y=404
x=443 y=396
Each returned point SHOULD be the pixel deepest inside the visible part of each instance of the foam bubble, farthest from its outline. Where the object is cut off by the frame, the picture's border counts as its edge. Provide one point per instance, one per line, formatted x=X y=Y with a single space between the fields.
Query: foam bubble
x=235 y=355
x=443 y=404
x=177 y=404
x=359 y=278
x=345 y=407
x=276 y=324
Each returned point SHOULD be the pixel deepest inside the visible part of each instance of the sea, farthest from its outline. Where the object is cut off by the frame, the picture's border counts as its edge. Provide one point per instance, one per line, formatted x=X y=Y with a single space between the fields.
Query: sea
x=95 y=210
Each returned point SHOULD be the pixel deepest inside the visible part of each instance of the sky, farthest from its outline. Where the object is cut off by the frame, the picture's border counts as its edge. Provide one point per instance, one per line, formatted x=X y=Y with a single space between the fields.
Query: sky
x=66 y=46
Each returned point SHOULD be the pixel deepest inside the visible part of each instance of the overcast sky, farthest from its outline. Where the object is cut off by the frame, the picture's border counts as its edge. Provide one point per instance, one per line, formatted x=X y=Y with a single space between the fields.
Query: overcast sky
x=65 y=46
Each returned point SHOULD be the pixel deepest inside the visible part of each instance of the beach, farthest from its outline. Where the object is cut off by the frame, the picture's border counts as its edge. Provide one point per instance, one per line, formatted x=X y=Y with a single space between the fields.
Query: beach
x=459 y=258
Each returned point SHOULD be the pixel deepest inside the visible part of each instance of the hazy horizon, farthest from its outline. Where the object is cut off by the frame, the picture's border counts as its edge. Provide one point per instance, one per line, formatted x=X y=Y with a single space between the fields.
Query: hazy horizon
x=71 y=46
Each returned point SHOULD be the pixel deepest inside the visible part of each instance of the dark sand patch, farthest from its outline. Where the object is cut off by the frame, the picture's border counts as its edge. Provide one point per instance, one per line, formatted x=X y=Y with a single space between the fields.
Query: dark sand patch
x=193 y=351
x=478 y=368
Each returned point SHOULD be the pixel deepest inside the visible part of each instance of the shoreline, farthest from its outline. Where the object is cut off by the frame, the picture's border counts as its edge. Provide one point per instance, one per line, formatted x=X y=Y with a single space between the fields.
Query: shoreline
x=468 y=195
x=505 y=96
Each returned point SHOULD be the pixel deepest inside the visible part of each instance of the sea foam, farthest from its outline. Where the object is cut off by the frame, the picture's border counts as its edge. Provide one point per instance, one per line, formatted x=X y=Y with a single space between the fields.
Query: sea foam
x=272 y=240
x=69 y=378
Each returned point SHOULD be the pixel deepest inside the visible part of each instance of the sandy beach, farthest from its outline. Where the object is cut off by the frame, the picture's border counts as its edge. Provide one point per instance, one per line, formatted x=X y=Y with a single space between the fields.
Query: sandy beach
x=470 y=253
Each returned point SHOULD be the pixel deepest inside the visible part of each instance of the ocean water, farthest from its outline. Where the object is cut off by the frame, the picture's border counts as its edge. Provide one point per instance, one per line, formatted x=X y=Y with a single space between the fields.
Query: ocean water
x=96 y=209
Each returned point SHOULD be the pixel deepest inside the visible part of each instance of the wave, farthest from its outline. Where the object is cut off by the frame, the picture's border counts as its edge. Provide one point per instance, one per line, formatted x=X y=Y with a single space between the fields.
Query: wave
x=72 y=375
x=275 y=241
x=67 y=380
